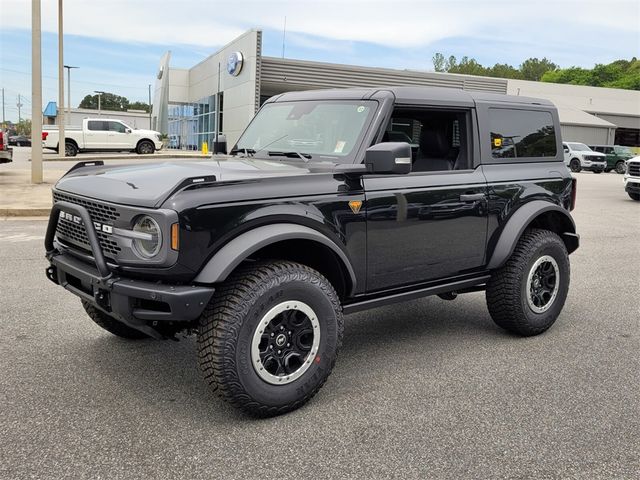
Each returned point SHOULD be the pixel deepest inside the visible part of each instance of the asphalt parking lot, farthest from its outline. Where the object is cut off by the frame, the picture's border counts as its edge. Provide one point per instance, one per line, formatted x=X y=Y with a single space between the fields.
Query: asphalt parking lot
x=427 y=389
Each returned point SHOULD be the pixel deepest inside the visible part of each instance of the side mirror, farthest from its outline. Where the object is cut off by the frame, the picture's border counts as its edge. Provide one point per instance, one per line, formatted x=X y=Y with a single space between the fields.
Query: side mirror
x=127 y=130
x=220 y=144
x=388 y=157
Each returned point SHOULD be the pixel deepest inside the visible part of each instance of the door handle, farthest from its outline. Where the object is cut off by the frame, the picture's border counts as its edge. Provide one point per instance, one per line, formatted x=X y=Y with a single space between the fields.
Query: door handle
x=472 y=197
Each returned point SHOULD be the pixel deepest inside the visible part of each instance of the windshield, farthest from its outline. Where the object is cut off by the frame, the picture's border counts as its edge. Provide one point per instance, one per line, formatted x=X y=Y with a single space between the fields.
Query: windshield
x=623 y=150
x=318 y=130
x=581 y=147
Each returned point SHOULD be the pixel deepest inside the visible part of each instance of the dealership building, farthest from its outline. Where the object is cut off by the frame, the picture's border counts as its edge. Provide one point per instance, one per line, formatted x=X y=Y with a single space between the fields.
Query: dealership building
x=222 y=93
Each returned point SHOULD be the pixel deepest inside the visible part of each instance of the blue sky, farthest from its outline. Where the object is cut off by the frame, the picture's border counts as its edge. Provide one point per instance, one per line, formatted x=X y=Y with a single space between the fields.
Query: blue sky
x=119 y=53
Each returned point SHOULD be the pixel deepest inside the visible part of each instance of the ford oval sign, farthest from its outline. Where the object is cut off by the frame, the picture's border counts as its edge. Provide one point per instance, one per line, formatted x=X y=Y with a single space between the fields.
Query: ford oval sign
x=234 y=63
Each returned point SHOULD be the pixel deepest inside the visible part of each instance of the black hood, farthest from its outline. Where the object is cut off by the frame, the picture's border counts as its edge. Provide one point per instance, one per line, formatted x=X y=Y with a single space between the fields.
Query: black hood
x=149 y=184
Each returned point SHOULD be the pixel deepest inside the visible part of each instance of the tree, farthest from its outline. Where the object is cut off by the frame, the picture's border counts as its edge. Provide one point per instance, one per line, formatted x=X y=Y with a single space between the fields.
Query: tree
x=108 y=101
x=439 y=63
x=618 y=74
x=23 y=127
x=534 y=69
x=139 y=106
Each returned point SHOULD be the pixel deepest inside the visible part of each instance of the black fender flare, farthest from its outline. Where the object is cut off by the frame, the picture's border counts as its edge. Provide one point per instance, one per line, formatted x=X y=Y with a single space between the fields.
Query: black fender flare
x=520 y=220
x=225 y=260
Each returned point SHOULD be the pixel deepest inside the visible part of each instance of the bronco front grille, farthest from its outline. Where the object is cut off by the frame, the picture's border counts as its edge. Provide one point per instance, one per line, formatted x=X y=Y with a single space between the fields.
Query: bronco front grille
x=634 y=169
x=75 y=234
x=98 y=211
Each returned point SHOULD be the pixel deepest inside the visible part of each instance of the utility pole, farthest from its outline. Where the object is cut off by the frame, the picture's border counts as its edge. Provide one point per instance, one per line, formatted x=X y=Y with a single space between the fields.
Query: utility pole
x=19 y=105
x=99 y=93
x=69 y=67
x=36 y=92
x=149 y=106
x=3 y=119
x=62 y=139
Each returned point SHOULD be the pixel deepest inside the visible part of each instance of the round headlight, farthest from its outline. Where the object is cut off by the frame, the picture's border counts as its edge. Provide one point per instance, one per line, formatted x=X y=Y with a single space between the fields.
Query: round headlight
x=150 y=246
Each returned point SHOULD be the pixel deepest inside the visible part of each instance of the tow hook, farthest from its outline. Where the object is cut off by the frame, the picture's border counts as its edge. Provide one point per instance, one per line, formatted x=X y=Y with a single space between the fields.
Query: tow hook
x=52 y=274
x=102 y=298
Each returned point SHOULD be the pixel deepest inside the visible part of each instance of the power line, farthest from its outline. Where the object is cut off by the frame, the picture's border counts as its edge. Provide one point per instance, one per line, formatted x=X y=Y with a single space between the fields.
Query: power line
x=77 y=81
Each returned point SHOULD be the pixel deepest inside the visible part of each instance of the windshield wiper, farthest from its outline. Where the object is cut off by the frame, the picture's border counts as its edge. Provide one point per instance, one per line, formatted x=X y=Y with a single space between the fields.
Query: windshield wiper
x=247 y=151
x=304 y=156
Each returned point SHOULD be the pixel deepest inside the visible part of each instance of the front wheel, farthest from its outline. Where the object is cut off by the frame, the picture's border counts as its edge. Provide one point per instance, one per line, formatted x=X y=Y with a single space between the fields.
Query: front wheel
x=526 y=295
x=597 y=171
x=634 y=196
x=621 y=167
x=575 y=166
x=269 y=338
x=145 y=147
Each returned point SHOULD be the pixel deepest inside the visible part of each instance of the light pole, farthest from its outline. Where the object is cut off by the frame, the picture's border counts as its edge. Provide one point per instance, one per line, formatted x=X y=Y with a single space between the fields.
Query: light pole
x=36 y=92
x=99 y=92
x=149 y=106
x=62 y=139
x=69 y=67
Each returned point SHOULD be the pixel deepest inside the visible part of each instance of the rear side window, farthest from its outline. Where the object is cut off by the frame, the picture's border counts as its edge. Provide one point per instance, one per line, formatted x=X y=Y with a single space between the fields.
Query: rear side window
x=521 y=133
x=97 y=125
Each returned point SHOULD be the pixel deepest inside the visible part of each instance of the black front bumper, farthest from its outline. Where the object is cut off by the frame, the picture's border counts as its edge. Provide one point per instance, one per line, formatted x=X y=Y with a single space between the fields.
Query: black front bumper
x=137 y=303
x=632 y=187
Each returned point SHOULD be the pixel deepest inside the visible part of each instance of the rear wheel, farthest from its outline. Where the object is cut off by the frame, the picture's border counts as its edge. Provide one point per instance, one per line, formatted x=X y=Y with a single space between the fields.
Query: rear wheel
x=634 y=196
x=145 y=147
x=574 y=165
x=70 y=149
x=112 y=325
x=269 y=338
x=621 y=167
x=526 y=295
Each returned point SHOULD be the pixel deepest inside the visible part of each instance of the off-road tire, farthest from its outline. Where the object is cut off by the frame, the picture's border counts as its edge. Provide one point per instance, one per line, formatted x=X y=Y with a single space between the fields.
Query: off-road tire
x=228 y=324
x=112 y=325
x=506 y=292
x=575 y=165
x=145 y=147
x=621 y=167
x=70 y=149
x=634 y=196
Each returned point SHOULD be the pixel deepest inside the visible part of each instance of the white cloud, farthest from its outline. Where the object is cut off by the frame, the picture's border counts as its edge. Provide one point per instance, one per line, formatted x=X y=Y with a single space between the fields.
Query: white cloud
x=394 y=23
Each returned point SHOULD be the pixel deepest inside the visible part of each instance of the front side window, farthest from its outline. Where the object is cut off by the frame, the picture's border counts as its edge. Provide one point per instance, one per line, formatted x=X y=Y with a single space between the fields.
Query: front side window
x=623 y=150
x=117 y=127
x=319 y=130
x=437 y=138
x=521 y=133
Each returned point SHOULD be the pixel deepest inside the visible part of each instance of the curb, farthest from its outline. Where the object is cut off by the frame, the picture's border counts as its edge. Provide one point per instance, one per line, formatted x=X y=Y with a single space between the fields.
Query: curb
x=25 y=212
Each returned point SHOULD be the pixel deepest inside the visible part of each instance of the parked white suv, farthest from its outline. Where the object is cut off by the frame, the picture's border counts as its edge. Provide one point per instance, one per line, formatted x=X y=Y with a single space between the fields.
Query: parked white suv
x=577 y=156
x=102 y=135
x=632 y=178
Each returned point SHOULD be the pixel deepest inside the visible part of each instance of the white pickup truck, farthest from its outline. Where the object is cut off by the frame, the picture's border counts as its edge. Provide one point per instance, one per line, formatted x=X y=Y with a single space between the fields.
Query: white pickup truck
x=577 y=156
x=102 y=135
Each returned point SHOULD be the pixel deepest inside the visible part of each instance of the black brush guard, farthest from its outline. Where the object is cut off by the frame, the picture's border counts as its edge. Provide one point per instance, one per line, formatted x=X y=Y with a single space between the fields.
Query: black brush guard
x=137 y=303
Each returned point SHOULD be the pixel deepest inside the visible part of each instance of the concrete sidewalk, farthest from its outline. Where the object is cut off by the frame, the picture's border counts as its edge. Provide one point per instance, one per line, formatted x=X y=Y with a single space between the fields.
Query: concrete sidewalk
x=19 y=197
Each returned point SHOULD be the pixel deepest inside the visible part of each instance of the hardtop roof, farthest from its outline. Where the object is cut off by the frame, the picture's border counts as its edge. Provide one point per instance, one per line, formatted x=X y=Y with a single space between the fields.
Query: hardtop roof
x=410 y=95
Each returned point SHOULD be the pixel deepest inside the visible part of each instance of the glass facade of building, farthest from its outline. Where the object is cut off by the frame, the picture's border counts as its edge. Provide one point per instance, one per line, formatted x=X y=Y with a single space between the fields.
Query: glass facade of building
x=191 y=124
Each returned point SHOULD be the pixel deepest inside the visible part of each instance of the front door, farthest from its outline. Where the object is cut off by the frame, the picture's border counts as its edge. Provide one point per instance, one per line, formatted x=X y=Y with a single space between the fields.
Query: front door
x=119 y=139
x=431 y=223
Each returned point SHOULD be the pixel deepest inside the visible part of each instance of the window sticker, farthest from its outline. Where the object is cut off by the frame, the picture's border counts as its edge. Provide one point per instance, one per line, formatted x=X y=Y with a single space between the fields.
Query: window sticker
x=340 y=144
x=360 y=109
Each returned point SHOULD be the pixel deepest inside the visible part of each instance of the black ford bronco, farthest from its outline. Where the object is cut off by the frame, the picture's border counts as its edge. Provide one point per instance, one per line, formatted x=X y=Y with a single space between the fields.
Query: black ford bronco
x=318 y=211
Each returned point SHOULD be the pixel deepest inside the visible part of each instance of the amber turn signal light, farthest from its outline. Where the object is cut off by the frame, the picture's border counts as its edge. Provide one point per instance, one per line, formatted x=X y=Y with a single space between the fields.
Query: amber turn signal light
x=175 y=238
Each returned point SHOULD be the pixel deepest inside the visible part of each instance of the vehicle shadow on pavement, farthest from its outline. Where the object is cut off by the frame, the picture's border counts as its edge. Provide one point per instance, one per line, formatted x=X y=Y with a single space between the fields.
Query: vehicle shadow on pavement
x=166 y=374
